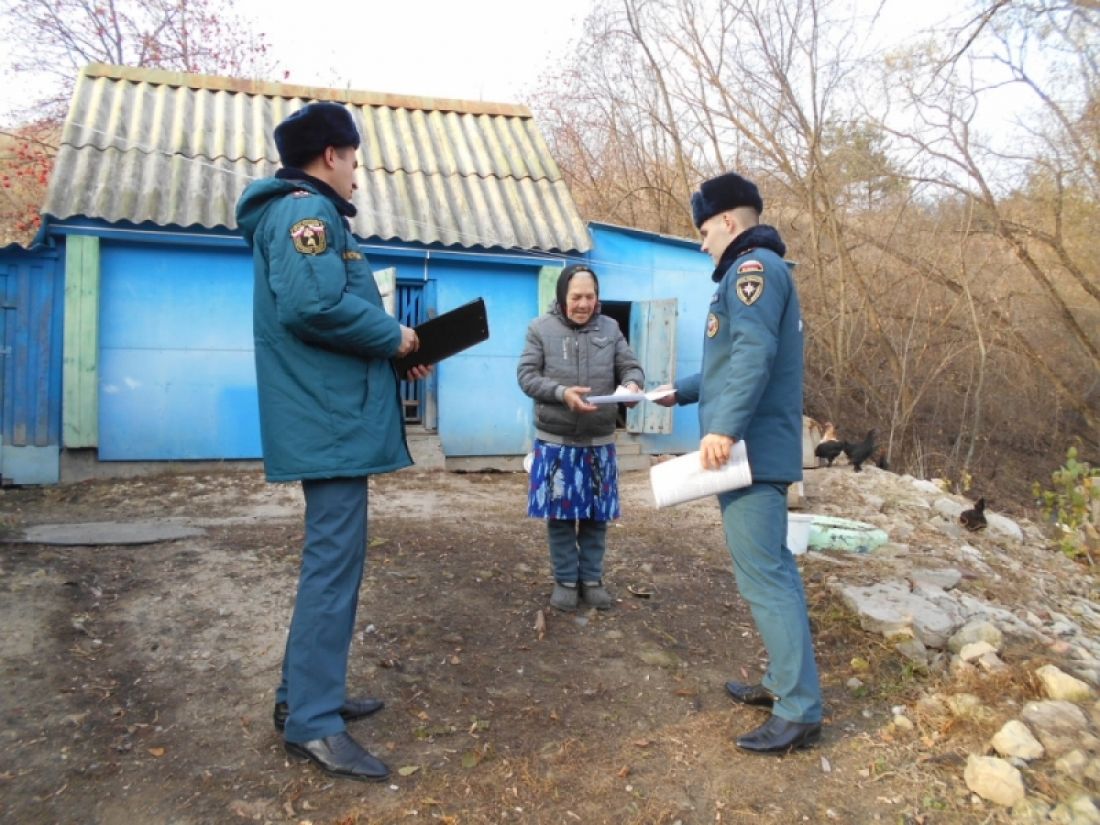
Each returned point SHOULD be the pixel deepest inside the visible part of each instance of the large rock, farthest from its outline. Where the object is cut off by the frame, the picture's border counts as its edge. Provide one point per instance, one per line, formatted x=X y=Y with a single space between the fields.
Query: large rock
x=1080 y=810
x=945 y=578
x=978 y=630
x=890 y=608
x=1004 y=527
x=1014 y=739
x=1060 y=726
x=994 y=779
x=1060 y=685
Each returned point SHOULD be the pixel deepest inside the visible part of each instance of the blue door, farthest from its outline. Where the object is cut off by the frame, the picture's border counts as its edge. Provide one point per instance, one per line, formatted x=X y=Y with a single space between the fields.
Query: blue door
x=31 y=302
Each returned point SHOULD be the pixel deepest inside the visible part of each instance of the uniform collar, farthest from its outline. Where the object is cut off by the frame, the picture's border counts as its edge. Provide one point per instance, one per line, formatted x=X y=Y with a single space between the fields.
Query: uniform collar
x=345 y=208
x=759 y=236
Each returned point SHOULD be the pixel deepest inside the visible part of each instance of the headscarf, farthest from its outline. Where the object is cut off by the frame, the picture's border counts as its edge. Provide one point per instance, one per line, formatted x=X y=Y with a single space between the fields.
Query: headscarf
x=563 y=287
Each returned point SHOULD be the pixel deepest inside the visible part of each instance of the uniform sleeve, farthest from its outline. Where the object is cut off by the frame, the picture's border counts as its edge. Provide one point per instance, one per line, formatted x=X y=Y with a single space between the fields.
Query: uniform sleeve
x=532 y=365
x=754 y=340
x=627 y=368
x=687 y=389
x=309 y=282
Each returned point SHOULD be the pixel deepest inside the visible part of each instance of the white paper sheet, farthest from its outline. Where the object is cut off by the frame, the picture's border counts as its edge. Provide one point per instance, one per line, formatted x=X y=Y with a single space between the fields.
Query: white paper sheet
x=683 y=479
x=622 y=396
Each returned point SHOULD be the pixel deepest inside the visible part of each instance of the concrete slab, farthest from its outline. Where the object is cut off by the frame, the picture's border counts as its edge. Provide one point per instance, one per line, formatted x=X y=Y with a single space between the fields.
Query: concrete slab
x=106 y=532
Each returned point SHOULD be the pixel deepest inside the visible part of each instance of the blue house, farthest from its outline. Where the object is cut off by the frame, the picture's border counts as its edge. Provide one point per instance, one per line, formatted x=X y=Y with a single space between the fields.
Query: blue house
x=133 y=342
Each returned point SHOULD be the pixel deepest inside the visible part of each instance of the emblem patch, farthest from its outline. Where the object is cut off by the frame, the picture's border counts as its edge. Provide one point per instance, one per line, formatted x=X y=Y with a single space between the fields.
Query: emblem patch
x=749 y=288
x=750 y=266
x=712 y=325
x=352 y=255
x=309 y=236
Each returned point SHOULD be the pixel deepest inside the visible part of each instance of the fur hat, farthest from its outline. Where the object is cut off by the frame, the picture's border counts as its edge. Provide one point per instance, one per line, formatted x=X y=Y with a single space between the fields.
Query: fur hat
x=728 y=191
x=305 y=134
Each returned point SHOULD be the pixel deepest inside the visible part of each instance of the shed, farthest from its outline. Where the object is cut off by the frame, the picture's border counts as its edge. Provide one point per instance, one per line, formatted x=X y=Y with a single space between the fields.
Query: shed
x=456 y=200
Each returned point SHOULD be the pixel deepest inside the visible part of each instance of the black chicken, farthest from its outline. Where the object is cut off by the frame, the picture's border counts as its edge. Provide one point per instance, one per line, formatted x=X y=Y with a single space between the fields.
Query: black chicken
x=974 y=519
x=860 y=451
x=829 y=447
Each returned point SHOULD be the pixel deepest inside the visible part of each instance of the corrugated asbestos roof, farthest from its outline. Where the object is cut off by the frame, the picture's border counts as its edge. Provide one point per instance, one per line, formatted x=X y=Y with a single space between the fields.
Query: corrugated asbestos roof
x=175 y=149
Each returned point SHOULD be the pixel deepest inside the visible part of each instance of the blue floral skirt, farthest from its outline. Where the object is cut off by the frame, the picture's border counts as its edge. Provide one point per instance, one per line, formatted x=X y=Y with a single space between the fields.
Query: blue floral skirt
x=574 y=482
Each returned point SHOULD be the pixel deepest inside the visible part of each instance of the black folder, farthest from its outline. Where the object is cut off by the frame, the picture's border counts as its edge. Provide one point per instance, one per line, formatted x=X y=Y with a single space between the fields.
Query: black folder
x=447 y=334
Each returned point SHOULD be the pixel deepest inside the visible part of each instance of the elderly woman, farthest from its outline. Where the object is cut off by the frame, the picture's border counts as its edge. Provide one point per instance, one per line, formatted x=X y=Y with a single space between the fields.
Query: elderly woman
x=573 y=352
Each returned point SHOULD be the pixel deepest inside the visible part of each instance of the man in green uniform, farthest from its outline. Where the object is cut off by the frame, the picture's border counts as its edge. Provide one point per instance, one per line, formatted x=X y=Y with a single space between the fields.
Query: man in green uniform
x=330 y=412
x=750 y=388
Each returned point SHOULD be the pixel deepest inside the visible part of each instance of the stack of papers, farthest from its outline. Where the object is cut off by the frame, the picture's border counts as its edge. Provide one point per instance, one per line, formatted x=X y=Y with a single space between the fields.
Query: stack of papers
x=684 y=479
x=623 y=396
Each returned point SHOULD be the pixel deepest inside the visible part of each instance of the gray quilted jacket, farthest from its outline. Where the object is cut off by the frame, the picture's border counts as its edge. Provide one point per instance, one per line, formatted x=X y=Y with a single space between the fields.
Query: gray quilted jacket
x=558 y=355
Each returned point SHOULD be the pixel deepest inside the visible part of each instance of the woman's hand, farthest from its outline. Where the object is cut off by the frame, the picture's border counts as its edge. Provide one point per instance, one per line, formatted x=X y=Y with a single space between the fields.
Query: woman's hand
x=633 y=388
x=574 y=399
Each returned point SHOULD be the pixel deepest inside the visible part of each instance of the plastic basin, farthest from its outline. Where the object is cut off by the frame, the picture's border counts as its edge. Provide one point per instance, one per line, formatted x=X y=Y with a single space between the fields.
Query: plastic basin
x=832 y=533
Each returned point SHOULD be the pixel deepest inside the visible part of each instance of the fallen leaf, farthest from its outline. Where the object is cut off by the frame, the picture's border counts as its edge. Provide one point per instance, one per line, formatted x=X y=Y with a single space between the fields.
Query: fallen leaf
x=642 y=591
x=624 y=772
x=455 y=660
x=540 y=624
x=642 y=743
x=408 y=770
x=157 y=752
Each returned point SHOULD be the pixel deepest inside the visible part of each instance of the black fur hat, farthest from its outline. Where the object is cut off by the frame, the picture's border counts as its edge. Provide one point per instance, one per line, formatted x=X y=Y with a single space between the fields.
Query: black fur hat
x=727 y=191
x=305 y=134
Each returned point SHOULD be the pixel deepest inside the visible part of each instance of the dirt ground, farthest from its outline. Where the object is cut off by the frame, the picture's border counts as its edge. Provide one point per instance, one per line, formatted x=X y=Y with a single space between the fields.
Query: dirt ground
x=138 y=680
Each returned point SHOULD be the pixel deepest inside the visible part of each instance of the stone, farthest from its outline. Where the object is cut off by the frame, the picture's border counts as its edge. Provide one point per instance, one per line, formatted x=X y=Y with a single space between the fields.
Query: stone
x=1057 y=684
x=929 y=487
x=1061 y=726
x=888 y=607
x=1003 y=527
x=975 y=650
x=991 y=663
x=1014 y=739
x=1073 y=765
x=1077 y=811
x=976 y=630
x=913 y=650
x=903 y=723
x=967 y=706
x=994 y=779
x=948 y=508
x=961 y=671
x=1030 y=811
x=946 y=578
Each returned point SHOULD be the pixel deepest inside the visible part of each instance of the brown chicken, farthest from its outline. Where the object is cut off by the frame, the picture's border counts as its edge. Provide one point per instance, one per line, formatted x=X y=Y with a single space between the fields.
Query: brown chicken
x=974 y=519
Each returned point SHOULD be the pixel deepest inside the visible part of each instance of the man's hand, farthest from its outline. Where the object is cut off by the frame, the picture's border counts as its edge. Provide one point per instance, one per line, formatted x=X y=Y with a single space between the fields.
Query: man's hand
x=670 y=399
x=418 y=372
x=409 y=342
x=714 y=450
x=574 y=399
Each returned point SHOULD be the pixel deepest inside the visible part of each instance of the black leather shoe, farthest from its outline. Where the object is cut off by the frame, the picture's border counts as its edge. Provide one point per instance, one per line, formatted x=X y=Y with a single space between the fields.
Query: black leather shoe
x=750 y=694
x=340 y=755
x=350 y=710
x=778 y=735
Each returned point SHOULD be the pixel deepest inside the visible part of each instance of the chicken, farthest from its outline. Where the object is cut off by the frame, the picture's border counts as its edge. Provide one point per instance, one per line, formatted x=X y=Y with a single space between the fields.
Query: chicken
x=879 y=457
x=974 y=519
x=860 y=451
x=829 y=447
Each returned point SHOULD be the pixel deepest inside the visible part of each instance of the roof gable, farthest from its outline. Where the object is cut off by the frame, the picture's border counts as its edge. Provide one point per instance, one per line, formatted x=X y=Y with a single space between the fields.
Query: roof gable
x=175 y=149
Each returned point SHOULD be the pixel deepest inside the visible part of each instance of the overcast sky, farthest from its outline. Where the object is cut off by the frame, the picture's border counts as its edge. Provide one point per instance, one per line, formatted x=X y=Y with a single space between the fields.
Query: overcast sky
x=469 y=49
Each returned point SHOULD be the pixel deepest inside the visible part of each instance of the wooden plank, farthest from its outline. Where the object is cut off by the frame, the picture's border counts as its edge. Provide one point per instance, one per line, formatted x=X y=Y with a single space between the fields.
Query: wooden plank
x=80 y=360
x=548 y=287
x=653 y=339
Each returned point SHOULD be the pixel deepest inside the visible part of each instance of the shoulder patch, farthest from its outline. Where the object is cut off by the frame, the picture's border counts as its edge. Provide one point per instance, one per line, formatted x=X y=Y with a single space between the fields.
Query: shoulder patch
x=749 y=288
x=309 y=236
x=752 y=265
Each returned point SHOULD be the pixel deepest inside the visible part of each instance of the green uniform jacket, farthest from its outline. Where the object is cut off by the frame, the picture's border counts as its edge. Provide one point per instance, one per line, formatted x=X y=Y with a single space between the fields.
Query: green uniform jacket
x=329 y=396
x=751 y=384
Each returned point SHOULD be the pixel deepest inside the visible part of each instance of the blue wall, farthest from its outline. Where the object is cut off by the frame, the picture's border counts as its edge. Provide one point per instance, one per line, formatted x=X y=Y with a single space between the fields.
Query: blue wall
x=637 y=266
x=176 y=372
x=177 y=379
